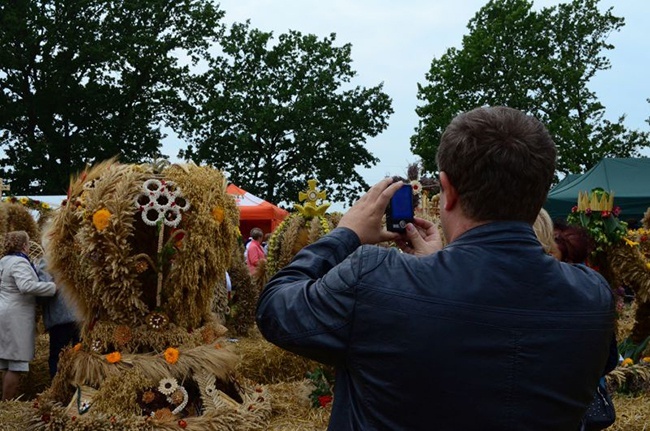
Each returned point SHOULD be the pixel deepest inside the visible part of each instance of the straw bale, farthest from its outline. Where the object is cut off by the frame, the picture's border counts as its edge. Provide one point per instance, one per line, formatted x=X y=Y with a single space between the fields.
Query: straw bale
x=292 y=409
x=15 y=415
x=14 y=216
x=632 y=412
x=241 y=315
x=266 y=363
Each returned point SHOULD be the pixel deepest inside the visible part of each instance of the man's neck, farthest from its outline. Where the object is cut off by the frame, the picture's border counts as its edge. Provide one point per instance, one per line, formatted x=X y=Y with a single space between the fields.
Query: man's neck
x=460 y=226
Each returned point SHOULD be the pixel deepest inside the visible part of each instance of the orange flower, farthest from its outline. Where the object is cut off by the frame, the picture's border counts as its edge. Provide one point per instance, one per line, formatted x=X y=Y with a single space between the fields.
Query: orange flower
x=100 y=219
x=171 y=355
x=114 y=357
x=627 y=361
x=217 y=213
x=77 y=347
x=217 y=346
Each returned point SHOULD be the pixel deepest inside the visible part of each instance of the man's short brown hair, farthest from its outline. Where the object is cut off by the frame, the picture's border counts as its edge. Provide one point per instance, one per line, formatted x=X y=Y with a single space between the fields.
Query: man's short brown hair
x=500 y=160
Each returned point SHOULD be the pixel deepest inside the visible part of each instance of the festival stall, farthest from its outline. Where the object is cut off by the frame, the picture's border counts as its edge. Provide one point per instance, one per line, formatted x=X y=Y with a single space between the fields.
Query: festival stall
x=626 y=178
x=255 y=211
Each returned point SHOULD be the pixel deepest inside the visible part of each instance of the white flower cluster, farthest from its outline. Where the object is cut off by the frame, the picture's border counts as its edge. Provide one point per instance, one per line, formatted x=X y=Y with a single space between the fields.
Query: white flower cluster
x=161 y=201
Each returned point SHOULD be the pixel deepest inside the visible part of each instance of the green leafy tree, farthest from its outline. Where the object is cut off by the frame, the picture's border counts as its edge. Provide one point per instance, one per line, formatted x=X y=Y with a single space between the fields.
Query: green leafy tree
x=275 y=115
x=86 y=80
x=540 y=62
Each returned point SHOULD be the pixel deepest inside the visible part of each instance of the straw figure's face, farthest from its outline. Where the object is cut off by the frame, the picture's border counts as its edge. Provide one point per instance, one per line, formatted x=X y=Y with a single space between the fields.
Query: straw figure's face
x=134 y=245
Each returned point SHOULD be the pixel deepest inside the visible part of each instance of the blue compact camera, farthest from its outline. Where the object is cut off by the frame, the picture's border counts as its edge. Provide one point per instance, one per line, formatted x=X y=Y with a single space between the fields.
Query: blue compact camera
x=400 y=209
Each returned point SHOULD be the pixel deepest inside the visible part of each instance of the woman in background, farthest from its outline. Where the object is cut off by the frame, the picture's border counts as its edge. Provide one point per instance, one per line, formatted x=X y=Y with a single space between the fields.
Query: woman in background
x=19 y=287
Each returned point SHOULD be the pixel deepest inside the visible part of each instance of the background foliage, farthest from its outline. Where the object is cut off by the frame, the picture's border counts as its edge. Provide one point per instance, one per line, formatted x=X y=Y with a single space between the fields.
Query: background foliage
x=538 y=61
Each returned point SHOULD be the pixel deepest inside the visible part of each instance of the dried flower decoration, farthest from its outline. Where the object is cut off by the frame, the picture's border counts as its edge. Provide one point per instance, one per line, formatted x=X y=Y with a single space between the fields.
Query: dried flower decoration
x=157 y=320
x=208 y=335
x=114 y=357
x=171 y=355
x=167 y=386
x=162 y=415
x=416 y=187
x=141 y=266
x=101 y=218
x=177 y=397
x=77 y=347
x=161 y=201
x=148 y=397
x=218 y=214
x=96 y=346
x=122 y=335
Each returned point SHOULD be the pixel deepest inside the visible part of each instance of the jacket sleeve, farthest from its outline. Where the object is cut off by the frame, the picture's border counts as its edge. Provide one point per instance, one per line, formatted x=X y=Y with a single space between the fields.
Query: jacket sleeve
x=27 y=281
x=308 y=305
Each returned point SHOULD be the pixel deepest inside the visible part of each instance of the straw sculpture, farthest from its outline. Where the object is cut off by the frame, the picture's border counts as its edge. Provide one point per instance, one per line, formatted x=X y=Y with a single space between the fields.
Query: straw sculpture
x=142 y=252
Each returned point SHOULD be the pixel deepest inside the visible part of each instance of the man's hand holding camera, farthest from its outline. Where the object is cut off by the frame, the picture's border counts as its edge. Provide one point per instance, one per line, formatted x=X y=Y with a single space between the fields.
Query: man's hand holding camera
x=365 y=219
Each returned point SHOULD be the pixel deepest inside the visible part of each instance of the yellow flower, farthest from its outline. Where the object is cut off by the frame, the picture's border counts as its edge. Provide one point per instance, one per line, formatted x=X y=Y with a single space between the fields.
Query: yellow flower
x=217 y=213
x=645 y=359
x=45 y=205
x=647 y=265
x=630 y=242
x=171 y=355
x=627 y=361
x=114 y=357
x=100 y=219
x=23 y=200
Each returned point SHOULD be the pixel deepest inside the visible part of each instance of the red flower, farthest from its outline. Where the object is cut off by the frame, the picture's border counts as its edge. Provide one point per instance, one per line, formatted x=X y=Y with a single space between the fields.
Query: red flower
x=574 y=209
x=182 y=423
x=616 y=211
x=324 y=400
x=605 y=214
x=588 y=211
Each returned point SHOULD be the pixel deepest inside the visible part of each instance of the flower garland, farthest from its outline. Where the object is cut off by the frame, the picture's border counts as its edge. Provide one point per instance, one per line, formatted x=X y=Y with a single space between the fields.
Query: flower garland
x=29 y=203
x=597 y=214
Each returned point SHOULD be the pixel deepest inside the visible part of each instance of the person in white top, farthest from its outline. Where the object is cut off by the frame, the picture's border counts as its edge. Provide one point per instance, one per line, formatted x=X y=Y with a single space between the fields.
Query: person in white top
x=19 y=286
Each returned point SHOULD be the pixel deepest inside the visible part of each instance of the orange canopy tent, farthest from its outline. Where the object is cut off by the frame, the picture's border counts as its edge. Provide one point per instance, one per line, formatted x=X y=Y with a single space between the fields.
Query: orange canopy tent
x=255 y=211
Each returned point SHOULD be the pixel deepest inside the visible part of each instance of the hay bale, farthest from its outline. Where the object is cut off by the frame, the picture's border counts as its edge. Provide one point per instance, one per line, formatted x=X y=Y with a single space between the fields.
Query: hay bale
x=265 y=363
x=632 y=412
x=16 y=415
x=292 y=410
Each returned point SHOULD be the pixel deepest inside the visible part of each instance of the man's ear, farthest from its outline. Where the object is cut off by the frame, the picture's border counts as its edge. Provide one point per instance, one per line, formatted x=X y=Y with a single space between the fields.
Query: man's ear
x=450 y=192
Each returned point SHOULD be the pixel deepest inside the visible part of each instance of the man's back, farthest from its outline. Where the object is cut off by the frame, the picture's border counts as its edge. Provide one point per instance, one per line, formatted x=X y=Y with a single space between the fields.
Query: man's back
x=488 y=333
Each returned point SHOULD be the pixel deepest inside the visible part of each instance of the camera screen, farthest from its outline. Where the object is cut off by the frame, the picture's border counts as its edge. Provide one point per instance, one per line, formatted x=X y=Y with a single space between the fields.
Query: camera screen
x=402 y=203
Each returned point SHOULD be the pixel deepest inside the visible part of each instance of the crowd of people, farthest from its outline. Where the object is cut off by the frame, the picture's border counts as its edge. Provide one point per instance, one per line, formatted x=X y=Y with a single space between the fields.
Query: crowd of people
x=503 y=328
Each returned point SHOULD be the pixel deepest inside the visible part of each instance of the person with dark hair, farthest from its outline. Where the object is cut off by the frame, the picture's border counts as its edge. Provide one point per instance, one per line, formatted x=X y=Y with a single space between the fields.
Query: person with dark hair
x=573 y=243
x=488 y=333
x=19 y=287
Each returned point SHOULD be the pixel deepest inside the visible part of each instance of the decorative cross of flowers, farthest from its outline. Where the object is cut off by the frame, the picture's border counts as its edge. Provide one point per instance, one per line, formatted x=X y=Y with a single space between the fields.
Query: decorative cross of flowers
x=160 y=204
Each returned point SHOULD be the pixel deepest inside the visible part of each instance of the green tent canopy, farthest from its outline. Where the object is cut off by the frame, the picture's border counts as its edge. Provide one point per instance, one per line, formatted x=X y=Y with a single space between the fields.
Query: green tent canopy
x=627 y=178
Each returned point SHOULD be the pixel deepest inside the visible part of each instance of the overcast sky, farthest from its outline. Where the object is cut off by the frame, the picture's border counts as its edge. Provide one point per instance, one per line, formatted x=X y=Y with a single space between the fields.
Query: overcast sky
x=394 y=41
